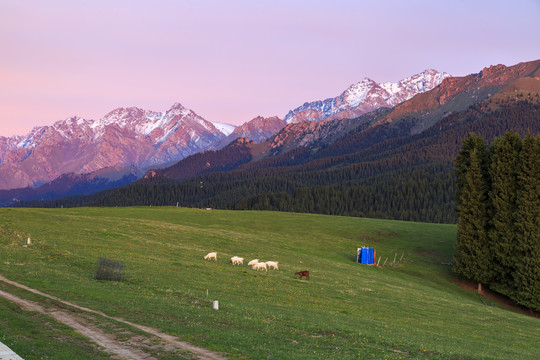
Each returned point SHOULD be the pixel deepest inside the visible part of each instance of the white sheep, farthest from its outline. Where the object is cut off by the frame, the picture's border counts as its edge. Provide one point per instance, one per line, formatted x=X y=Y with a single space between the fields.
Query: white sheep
x=260 y=265
x=212 y=255
x=235 y=260
x=272 y=265
x=253 y=262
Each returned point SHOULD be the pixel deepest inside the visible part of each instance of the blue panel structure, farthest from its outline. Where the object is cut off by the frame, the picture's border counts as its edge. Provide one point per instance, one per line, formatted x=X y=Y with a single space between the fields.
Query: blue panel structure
x=366 y=256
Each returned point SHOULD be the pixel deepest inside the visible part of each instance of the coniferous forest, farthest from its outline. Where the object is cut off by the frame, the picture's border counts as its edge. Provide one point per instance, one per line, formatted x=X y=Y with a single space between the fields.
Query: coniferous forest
x=498 y=206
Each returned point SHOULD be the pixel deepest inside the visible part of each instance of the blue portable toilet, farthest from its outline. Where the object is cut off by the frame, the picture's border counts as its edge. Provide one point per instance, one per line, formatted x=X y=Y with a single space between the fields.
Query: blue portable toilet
x=365 y=256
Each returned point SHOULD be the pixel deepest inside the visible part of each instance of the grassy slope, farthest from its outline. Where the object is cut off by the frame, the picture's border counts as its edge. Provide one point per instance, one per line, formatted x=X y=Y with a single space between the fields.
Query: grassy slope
x=346 y=310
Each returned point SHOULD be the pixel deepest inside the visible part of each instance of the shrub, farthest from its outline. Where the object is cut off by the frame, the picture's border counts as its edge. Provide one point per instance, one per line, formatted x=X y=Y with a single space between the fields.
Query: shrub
x=109 y=270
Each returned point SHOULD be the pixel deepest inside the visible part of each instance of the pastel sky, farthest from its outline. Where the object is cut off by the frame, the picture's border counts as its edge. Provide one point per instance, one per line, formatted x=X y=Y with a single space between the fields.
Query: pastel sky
x=230 y=61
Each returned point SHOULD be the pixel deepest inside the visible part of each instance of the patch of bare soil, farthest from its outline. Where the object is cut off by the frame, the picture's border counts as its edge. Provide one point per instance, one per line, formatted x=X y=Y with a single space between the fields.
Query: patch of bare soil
x=133 y=348
x=502 y=300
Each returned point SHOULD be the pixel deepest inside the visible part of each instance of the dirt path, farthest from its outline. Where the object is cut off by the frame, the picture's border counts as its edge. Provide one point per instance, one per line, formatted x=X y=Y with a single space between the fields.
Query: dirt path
x=108 y=341
x=111 y=345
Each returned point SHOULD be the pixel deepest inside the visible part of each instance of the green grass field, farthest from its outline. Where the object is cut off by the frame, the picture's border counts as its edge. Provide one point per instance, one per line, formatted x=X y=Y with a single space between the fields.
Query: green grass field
x=407 y=310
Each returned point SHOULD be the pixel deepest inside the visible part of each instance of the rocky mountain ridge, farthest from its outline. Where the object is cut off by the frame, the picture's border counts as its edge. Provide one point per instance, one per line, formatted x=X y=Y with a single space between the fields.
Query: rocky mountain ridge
x=453 y=94
x=125 y=136
x=366 y=96
x=257 y=130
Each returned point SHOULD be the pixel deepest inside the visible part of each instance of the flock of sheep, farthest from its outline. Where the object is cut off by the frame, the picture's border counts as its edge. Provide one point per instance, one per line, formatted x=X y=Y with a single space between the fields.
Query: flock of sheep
x=255 y=263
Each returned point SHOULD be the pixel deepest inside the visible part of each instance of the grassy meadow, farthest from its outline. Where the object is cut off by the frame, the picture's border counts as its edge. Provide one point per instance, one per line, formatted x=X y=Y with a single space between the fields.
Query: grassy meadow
x=407 y=310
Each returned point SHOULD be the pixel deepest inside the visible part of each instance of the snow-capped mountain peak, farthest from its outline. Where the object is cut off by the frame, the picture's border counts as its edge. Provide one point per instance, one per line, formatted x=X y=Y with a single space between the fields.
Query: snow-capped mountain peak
x=357 y=93
x=178 y=109
x=408 y=87
x=365 y=96
x=124 y=136
x=225 y=128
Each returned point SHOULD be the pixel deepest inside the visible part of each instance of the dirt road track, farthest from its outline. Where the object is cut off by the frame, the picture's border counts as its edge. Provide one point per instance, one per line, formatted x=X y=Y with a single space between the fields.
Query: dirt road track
x=107 y=341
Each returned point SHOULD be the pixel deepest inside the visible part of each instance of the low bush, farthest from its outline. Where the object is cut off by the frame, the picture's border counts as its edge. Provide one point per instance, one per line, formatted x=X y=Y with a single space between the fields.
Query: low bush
x=109 y=270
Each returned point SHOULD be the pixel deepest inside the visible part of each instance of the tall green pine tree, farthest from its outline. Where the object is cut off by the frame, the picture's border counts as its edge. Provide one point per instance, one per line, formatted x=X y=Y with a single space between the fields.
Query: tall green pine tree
x=504 y=172
x=473 y=258
x=527 y=274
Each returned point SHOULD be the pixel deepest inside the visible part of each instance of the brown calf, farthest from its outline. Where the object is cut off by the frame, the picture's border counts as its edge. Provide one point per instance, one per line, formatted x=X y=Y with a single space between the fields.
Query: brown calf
x=303 y=273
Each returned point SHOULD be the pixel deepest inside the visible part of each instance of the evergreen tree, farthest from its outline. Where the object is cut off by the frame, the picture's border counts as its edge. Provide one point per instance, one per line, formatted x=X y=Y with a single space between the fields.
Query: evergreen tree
x=527 y=275
x=504 y=172
x=473 y=258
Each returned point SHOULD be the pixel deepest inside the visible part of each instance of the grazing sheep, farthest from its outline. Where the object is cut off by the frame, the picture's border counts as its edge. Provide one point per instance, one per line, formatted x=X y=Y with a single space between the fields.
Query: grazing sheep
x=253 y=262
x=303 y=273
x=235 y=260
x=272 y=265
x=210 y=256
x=261 y=266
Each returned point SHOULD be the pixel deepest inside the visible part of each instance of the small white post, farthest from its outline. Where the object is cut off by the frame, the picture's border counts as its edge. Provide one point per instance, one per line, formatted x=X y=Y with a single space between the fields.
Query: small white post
x=216 y=305
x=29 y=241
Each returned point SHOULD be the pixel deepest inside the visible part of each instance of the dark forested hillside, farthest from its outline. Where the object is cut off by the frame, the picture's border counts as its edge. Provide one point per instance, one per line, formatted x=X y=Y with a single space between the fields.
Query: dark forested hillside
x=238 y=152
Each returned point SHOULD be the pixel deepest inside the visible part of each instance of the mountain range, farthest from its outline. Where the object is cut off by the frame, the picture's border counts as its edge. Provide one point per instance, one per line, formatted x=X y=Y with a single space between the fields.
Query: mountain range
x=144 y=138
x=333 y=137
x=307 y=141
x=365 y=96
x=125 y=136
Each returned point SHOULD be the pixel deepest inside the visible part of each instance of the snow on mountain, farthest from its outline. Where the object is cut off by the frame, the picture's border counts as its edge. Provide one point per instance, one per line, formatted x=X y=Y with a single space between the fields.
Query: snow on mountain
x=358 y=93
x=8 y=144
x=257 y=130
x=227 y=129
x=124 y=136
x=407 y=88
x=365 y=96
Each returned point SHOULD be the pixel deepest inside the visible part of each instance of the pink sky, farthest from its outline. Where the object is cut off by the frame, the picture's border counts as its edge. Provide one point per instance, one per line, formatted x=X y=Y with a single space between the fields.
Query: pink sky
x=230 y=61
